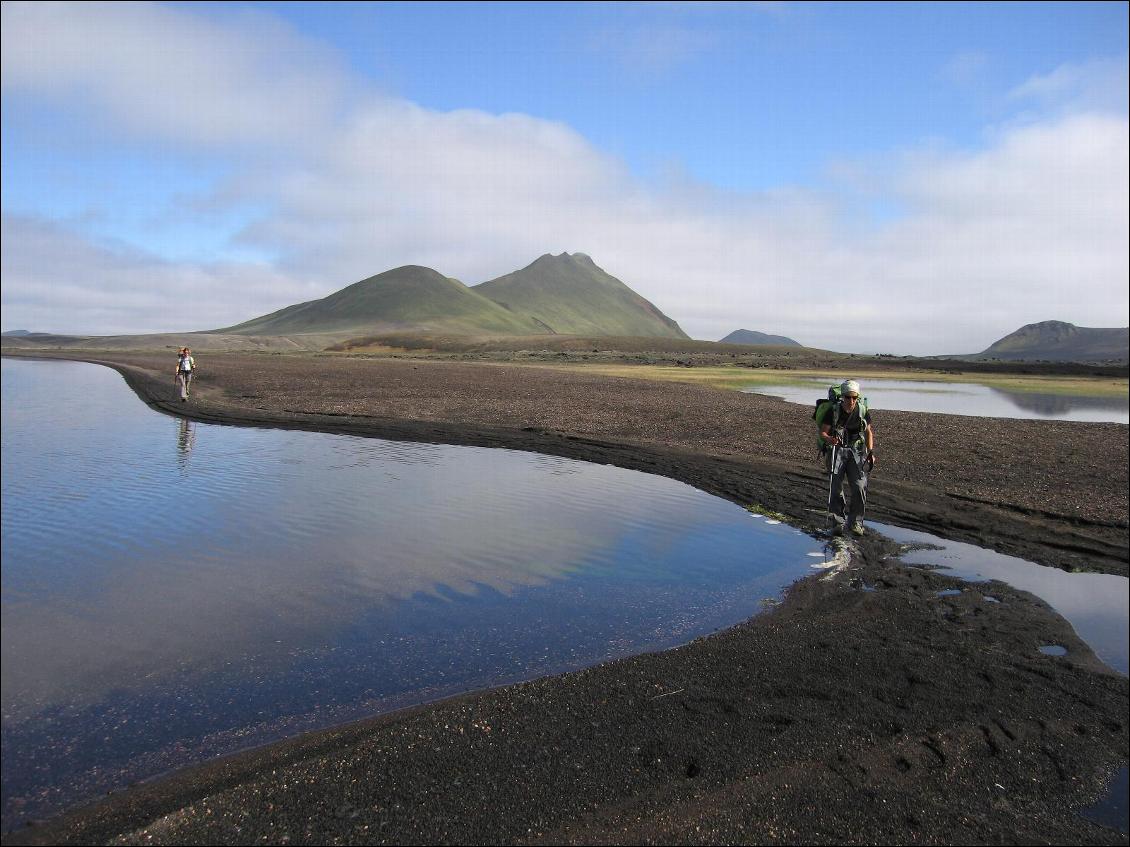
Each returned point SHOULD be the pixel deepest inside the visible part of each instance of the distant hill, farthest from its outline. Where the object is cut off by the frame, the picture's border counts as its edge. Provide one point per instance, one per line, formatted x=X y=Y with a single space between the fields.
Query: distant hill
x=566 y=294
x=1056 y=341
x=18 y=332
x=409 y=297
x=750 y=336
x=570 y=295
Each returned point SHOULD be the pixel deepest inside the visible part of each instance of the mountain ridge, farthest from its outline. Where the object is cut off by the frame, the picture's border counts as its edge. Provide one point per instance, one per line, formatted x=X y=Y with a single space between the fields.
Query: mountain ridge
x=754 y=338
x=570 y=294
x=565 y=294
x=1059 y=341
x=410 y=296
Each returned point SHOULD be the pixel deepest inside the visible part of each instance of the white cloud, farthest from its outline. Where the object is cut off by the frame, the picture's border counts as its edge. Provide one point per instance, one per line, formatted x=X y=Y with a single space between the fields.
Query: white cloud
x=58 y=281
x=1098 y=85
x=154 y=70
x=1032 y=227
x=461 y=191
x=653 y=49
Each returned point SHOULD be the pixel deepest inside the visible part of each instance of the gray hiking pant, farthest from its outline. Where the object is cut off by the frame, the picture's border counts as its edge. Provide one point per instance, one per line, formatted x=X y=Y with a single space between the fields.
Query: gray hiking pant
x=184 y=382
x=850 y=464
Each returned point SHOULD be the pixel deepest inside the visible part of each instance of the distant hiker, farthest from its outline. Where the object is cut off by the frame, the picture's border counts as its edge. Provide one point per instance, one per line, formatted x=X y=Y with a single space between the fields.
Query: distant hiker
x=186 y=365
x=848 y=444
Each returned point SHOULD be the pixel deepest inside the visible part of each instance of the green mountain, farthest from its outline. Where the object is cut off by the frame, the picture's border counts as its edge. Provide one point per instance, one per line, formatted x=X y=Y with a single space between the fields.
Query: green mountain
x=1056 y=341
x=570 y=295
x=556 y=295
x=751 y=336
x=406 y=298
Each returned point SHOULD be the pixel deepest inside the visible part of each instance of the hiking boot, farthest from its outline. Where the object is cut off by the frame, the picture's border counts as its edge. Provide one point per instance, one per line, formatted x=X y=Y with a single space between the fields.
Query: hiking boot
x=857 y=528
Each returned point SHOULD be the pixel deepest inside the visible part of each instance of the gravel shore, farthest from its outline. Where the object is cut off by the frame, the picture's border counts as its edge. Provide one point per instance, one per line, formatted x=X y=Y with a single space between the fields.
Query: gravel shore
x=844 y=715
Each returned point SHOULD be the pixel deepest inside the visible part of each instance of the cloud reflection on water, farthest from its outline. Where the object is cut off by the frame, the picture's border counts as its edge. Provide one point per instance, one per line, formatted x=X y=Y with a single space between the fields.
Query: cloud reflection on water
x=128 y=563
x=279 y=561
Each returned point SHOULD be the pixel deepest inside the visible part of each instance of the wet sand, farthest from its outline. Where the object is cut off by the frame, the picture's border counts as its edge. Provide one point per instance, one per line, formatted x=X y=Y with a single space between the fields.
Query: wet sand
x=843 y=715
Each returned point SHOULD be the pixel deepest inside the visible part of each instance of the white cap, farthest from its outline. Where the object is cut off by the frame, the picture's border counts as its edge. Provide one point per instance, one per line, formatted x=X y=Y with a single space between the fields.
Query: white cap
x=849 y=386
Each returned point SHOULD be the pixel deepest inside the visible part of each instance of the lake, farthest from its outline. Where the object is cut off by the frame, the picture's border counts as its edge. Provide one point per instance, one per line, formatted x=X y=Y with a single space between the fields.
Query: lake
x=961 y=398
x=174 y=591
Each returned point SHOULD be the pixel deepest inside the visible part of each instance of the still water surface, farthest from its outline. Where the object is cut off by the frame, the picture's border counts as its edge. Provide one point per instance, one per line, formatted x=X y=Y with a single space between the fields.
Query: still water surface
x=174 y=591
x=962 y=398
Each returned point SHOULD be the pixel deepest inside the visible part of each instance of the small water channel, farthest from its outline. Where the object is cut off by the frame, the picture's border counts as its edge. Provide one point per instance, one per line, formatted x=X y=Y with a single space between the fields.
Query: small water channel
x=174 y=591
x=961 y=398
x=1096 y=605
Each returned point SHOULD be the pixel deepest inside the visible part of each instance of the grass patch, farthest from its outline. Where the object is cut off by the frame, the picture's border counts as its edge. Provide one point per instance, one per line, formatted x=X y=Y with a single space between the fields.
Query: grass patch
x=758 y=509
x=729 y=377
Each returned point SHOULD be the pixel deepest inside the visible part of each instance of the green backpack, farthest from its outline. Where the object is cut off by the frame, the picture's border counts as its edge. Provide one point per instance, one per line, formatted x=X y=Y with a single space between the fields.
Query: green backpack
x=831 y=405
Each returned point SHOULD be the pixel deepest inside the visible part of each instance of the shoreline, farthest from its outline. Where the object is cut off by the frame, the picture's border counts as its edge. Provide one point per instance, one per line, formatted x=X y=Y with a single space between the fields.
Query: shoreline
x=842 y=715
x=1051 y=492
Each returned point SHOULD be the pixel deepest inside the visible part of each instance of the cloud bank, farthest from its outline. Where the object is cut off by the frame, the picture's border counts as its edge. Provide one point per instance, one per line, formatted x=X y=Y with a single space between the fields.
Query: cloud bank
x=351 y=182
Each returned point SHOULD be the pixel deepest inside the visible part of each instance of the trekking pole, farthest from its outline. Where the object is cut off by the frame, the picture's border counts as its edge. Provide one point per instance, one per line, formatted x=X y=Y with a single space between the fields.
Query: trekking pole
x=832 y=476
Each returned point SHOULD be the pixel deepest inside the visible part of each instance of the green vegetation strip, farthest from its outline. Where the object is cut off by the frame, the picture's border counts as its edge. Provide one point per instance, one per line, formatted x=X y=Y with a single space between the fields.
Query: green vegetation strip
x=758 y=509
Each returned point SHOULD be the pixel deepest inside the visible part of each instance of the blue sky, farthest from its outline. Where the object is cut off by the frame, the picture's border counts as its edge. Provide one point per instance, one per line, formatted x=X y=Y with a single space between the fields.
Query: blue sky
x=909 y=178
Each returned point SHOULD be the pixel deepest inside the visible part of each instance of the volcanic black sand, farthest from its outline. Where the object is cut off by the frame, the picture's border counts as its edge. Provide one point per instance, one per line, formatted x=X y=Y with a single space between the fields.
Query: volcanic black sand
x=890 y=715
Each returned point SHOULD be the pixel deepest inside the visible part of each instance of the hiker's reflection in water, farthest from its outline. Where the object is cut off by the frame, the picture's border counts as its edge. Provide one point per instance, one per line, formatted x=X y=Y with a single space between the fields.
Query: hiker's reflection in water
x=186 y=437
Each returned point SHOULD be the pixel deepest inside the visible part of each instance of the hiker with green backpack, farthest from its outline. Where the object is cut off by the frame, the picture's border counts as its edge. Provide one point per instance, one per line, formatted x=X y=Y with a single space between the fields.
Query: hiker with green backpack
x=847 y=443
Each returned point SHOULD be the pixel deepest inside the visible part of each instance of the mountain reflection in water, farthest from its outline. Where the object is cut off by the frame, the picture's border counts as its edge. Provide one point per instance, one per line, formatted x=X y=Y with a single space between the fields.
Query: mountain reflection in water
x=1063 y=405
